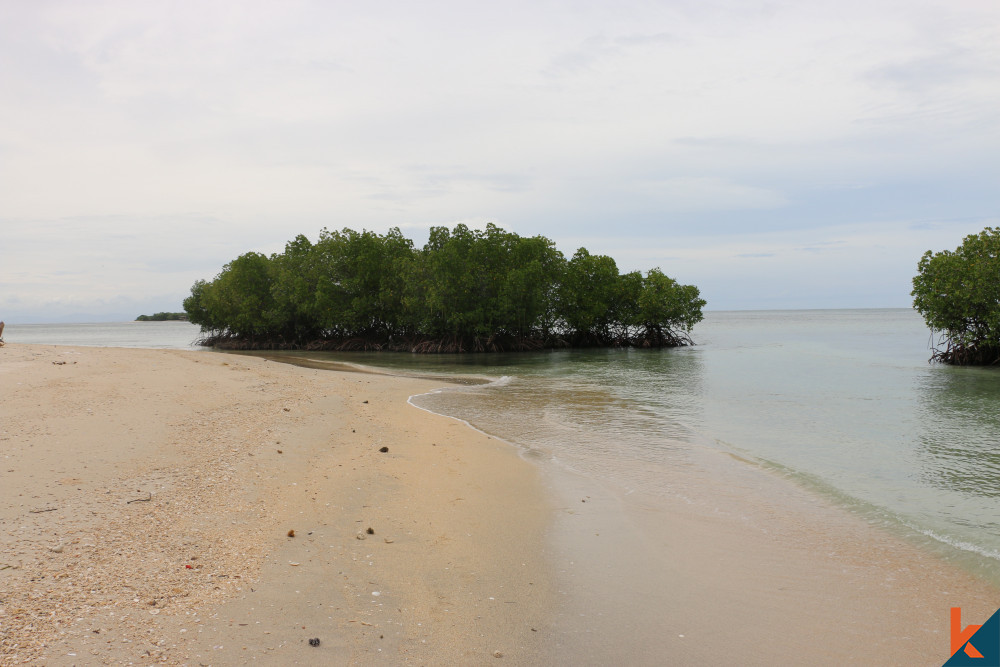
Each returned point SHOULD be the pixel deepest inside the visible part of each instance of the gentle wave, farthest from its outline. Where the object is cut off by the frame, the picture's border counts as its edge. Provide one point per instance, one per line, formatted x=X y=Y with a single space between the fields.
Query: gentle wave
x=956 y=543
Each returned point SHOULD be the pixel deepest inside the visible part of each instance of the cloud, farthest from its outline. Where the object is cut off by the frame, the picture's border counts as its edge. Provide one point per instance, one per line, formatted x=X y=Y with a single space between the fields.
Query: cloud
x=160 y=140
x=707 y=193
x=601 y=49
x=934 y=72
x=843 y=266
x=102 y=264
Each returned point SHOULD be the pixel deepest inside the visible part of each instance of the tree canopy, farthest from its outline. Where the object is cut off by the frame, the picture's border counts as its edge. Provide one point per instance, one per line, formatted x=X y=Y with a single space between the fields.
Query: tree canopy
x=465 y=290
x=958 y=293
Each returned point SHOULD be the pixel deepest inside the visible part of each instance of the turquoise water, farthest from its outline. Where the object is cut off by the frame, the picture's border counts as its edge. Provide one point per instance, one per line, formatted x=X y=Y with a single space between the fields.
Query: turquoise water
x=843 y=402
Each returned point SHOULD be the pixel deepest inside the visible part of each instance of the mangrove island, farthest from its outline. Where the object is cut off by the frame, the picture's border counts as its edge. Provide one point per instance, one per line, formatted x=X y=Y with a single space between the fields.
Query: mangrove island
x=465 y=291
x=162 y=317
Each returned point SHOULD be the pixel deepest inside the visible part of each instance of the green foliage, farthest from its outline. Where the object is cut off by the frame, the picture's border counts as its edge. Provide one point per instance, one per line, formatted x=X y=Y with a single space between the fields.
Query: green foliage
x=464 y=290
x=667 y=308
x=587 y=296
x=958 y=294
x=295 y=279
x=239 y=302
x=360 y=284
x=482 y=284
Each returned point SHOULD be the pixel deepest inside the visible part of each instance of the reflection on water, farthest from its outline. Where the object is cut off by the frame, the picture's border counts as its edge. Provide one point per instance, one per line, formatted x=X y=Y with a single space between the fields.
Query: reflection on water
x=580 y=407
x=588 y=407
x=960 y=425
x=843 y=401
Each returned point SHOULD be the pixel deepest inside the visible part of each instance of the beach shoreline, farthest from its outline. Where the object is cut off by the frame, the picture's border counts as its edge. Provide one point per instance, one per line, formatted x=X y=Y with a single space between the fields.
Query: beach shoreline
x=748 y=569
x=148 y=497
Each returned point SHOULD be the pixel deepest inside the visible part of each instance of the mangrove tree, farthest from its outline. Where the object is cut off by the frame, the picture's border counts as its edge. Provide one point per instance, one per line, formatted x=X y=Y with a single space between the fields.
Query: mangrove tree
x=958 y=293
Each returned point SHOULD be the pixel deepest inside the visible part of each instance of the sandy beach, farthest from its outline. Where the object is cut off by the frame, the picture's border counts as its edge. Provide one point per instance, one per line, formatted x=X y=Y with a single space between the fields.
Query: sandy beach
x=176 y=507
x=148 y=498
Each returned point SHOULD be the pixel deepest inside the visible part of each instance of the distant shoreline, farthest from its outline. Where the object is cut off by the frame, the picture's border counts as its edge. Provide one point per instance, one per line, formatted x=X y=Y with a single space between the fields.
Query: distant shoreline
x=163 y=317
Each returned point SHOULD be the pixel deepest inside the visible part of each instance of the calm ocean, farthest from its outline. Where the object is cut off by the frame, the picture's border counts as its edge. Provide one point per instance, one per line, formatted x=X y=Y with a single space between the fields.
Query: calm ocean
x=843 y=402
x=175 y=334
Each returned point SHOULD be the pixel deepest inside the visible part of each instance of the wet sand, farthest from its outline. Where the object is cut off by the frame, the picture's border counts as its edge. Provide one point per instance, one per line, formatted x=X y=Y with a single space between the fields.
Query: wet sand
x=743 y=567
x=147 y=499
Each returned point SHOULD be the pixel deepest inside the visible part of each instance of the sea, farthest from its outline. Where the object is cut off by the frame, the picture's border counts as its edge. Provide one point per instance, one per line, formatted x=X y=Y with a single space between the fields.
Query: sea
x=844 y=403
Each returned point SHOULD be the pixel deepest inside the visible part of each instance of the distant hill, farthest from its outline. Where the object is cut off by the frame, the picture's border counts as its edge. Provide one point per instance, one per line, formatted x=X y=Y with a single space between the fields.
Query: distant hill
x=162 y=317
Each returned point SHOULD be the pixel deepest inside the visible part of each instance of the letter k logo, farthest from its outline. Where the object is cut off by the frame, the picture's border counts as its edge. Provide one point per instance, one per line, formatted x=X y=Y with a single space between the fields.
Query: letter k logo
x=985 y=653
x=960 y=637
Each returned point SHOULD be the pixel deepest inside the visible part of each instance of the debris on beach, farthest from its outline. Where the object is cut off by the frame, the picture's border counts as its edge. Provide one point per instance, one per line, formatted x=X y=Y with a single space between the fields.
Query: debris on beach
x=370 y=530
x=383 y=449
x=314 y=641
x=291 y=533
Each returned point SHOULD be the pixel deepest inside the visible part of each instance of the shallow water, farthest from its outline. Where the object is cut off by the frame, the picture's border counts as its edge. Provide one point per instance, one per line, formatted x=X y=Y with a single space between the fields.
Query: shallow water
x=844 y=402
x=170 y=334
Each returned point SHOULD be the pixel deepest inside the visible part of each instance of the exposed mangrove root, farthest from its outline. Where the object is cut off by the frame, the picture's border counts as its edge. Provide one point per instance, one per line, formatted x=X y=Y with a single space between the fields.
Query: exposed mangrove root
x=958 y=354
x=646 y=339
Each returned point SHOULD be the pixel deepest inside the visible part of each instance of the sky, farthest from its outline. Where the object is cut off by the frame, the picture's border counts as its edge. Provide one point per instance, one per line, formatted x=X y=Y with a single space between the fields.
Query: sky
x=799 y=154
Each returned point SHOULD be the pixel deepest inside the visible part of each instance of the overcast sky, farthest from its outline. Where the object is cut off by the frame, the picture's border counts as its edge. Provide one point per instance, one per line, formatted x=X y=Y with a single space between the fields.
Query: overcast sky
x=798 y=154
